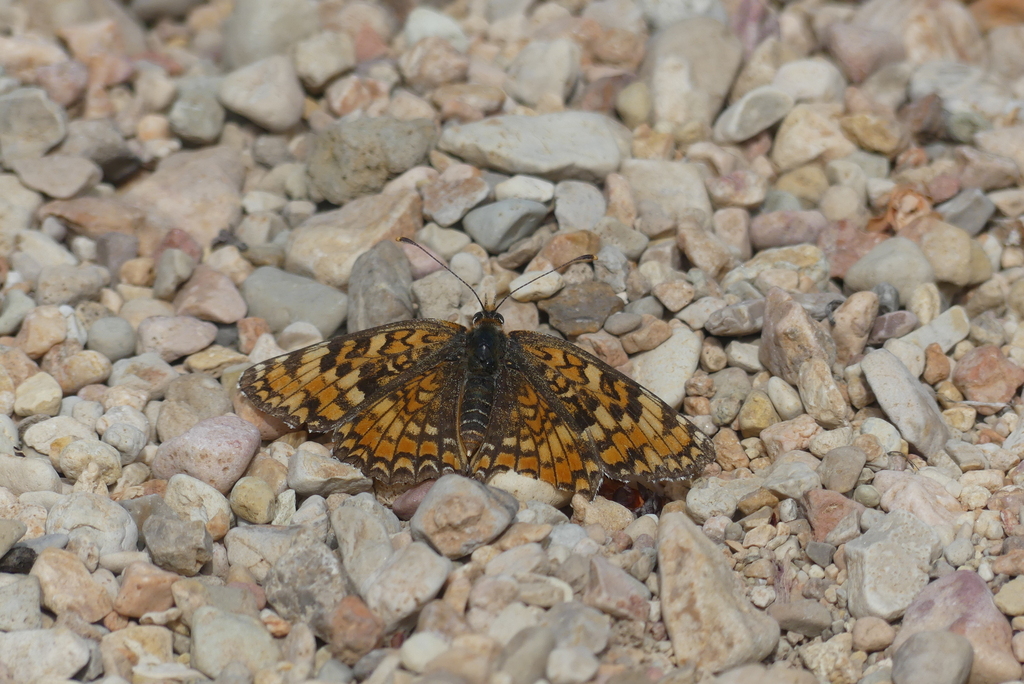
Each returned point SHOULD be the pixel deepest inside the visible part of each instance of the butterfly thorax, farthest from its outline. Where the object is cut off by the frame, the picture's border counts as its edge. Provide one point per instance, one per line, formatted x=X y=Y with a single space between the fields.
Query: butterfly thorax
x=485 y=346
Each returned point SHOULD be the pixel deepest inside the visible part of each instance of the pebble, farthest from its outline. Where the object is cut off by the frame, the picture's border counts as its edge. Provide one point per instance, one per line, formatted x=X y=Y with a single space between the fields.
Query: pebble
x=962 y=597
x=173 y=337
x=457 y=516
x=19 y=475
x=579 y=145
x=889 y=564
x=804 y=616
x=408 y=580
x=68 y=587
x=698 y=599
x=267 y=92
x=757 y=110
x=111 y=336
x=220 y=637
x=903 y=398
x=34 y=654
x=215 y=451
x=21 y=598
x=897 y=261
x=496 y=226
x=573 y=665
x=355 y=146
x=306 y=584
x=210 y=295
x=933 y=656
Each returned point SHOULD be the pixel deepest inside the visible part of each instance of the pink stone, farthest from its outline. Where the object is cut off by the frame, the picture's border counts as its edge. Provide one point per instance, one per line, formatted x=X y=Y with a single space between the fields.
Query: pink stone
x=984 y=374
x=145 y=588
x=962 y=603
x=782 y=228
x=215 y=451
x=211 y=296
x=844 y=244
x=890 y=325
x=825 y=510
x=789 y=435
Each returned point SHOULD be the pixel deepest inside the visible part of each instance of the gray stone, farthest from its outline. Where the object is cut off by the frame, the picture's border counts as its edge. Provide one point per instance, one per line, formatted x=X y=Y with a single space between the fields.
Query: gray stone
x=102 y=142
x=575 y=624
x=306 y=584
x=283 y=298
x=20 y=601
x=889 y=564
x=497 y=225
x=841 y=467
x=30 y=124
x=16 y=306
x=380 y=288
x=197 y=116
x=267 y=92
x=113 y=337
x=219 y=638
x=524 y=659
x=177 y=545
x=581 y=145
x=970 y=210
x=614 y=591
x=350 y=159
x=578 y=205
x=544 y=71
x=261 y=28
x=363 y=543
x=410 y=578
x=173 y=268
x=948 y=328
x=897 y=261
x=933 y=657
x=70 y=285
x=754 y=112
x=906 y=401
x=93 y=519
x=803 y=616
x=10 y=532
x=34 y=655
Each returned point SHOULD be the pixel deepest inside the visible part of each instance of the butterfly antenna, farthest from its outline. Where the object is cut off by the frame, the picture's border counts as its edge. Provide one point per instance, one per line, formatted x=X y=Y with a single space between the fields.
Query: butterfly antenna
x=444 y=266
x=585 y=258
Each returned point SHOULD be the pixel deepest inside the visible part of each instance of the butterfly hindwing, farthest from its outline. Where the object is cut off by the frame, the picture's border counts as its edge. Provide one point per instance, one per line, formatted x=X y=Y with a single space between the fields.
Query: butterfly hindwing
x=320 y=385
x=531 y=433
x=407 y=434
x=635 y=435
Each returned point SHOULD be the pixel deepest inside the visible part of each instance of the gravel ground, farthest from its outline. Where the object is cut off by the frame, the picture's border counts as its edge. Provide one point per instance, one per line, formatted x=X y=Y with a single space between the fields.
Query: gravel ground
x=808 y=218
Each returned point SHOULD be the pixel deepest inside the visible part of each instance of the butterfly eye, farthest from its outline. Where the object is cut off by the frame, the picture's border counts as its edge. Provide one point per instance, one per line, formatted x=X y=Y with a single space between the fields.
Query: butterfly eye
x=478 y=316
x=498 y=317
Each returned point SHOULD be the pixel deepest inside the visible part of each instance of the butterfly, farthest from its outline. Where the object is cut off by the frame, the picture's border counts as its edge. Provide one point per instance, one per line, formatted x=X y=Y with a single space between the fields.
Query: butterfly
x=413 y=400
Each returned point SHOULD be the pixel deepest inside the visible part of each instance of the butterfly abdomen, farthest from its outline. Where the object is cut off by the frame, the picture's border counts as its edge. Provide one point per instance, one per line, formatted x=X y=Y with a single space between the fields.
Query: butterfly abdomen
x=485 y=345
x=477 y=401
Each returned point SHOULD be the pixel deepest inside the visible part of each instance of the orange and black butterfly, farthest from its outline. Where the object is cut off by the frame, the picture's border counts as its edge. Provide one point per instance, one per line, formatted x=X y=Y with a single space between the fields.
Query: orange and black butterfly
x=413 y=400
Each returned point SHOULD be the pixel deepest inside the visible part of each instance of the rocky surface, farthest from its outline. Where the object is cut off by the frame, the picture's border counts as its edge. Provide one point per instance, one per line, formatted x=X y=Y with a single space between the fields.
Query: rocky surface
x=808 y=219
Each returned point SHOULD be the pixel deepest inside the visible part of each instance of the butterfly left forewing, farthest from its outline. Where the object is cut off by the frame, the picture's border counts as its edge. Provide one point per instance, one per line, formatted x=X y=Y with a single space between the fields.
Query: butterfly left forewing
x=319 y=386
x=636 y=435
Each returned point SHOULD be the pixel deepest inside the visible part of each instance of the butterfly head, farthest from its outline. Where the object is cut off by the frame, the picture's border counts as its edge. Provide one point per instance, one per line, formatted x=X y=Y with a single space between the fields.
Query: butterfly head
x=488 y=316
